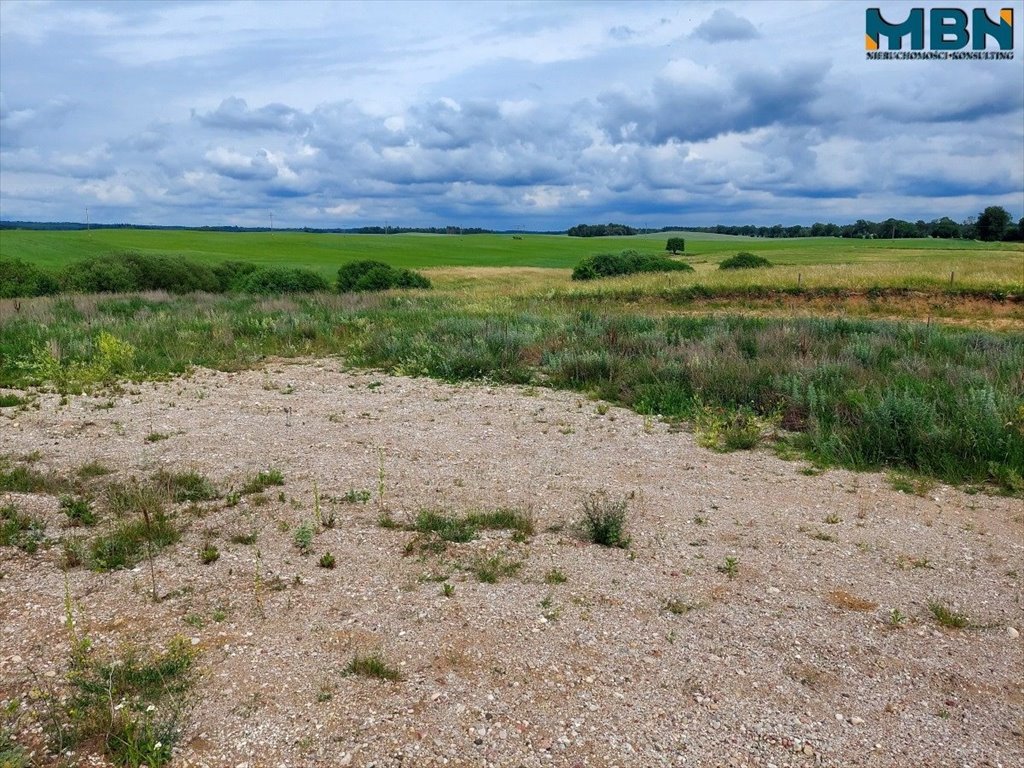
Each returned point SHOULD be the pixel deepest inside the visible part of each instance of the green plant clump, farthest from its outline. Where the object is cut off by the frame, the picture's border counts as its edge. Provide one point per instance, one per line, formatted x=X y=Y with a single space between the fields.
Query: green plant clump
x=327 y=560
x=946 y=616
x=303 y=538
x=626 y=263
x=186 y=486
x=262 y=481
x=490 y=569
x=209 y=553
x=373 y=665
x=78 y=509
x=127 y=544
x=604 y=521
x=20 y=530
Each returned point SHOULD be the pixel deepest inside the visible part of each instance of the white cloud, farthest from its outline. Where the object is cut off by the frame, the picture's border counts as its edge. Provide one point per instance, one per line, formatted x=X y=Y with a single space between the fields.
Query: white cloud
x=484 y=114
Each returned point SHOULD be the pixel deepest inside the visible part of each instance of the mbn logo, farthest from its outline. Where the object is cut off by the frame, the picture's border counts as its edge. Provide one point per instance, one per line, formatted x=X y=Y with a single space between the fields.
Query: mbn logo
x=947 y=27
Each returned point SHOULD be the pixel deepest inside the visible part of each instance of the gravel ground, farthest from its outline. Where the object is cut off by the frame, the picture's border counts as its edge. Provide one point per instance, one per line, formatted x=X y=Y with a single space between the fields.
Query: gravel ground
x=790 y=661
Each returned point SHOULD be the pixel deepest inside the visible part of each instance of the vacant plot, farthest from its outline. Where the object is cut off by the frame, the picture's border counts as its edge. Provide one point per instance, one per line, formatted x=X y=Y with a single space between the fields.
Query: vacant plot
x=754 y=611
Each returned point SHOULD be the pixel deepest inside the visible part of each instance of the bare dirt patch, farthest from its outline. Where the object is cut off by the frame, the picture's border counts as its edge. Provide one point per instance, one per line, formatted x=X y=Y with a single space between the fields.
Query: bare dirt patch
x=732 y=631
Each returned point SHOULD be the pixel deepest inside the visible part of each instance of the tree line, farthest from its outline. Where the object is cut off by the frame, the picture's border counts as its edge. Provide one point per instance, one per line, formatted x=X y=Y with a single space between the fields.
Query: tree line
x=992 y=224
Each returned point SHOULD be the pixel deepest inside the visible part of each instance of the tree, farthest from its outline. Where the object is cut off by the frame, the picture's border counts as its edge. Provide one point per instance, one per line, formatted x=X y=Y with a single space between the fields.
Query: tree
x=992 y=223
x=675 y=244
x=945 y=228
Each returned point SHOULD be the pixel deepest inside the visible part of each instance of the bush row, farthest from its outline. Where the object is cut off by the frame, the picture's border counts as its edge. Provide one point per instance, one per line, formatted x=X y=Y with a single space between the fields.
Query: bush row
x=129 y=272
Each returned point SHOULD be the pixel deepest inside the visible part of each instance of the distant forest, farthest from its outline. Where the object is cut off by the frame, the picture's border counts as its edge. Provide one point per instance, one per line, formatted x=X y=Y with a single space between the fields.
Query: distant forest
x=77 y=225
x=992 y=224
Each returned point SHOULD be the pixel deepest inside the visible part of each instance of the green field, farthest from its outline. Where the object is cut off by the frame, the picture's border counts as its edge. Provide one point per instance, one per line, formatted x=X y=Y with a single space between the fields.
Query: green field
x=326 y=252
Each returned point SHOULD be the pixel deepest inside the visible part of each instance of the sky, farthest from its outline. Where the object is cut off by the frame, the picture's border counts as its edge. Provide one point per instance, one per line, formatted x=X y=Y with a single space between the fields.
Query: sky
x=505 y=115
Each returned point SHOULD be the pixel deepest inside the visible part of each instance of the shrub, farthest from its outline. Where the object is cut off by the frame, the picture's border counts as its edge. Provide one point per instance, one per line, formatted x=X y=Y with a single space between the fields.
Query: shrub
x=368 y=275
x=230 y=274
x=271 y=280
x=744 y=260
x=173 y=274
x=17 y=278
x=625 y=263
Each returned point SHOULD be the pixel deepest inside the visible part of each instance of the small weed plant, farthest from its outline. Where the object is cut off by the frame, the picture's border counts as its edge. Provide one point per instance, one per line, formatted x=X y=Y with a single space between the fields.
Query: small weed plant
x=677 y=607
x=725 y=430
x=262 y=481
x=209 y=554
x=373 y=665
x=490 y=569
x=186 y=486
x=354 y=496
x=18 y=529
x=78 y=509
x=604 y=520
x=946 y=616
x=730 y=567
x=303 y=538
x=555 y=576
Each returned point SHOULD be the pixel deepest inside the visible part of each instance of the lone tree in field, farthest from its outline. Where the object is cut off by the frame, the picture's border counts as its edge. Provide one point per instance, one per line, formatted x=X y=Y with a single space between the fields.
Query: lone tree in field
x=675 y=245
x=992 y=223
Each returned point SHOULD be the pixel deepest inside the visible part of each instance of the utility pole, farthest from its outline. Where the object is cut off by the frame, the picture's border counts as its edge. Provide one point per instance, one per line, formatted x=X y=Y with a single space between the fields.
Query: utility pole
x=271 y=222
x=87 y=220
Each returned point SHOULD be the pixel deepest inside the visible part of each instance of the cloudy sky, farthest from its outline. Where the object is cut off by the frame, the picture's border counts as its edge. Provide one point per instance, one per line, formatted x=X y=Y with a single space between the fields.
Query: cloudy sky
x=496 y=114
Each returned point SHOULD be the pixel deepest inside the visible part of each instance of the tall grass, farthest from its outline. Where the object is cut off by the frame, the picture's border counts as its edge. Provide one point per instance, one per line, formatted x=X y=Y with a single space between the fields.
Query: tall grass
x=857 y=393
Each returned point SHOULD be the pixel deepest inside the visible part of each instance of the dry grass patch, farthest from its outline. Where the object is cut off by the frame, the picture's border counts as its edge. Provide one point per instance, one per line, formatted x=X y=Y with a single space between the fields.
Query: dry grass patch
x=846 y=601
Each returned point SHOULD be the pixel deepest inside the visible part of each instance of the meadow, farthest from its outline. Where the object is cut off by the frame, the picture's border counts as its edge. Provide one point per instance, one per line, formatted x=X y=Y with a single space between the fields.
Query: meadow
x=868 y=354
x=325 y=252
